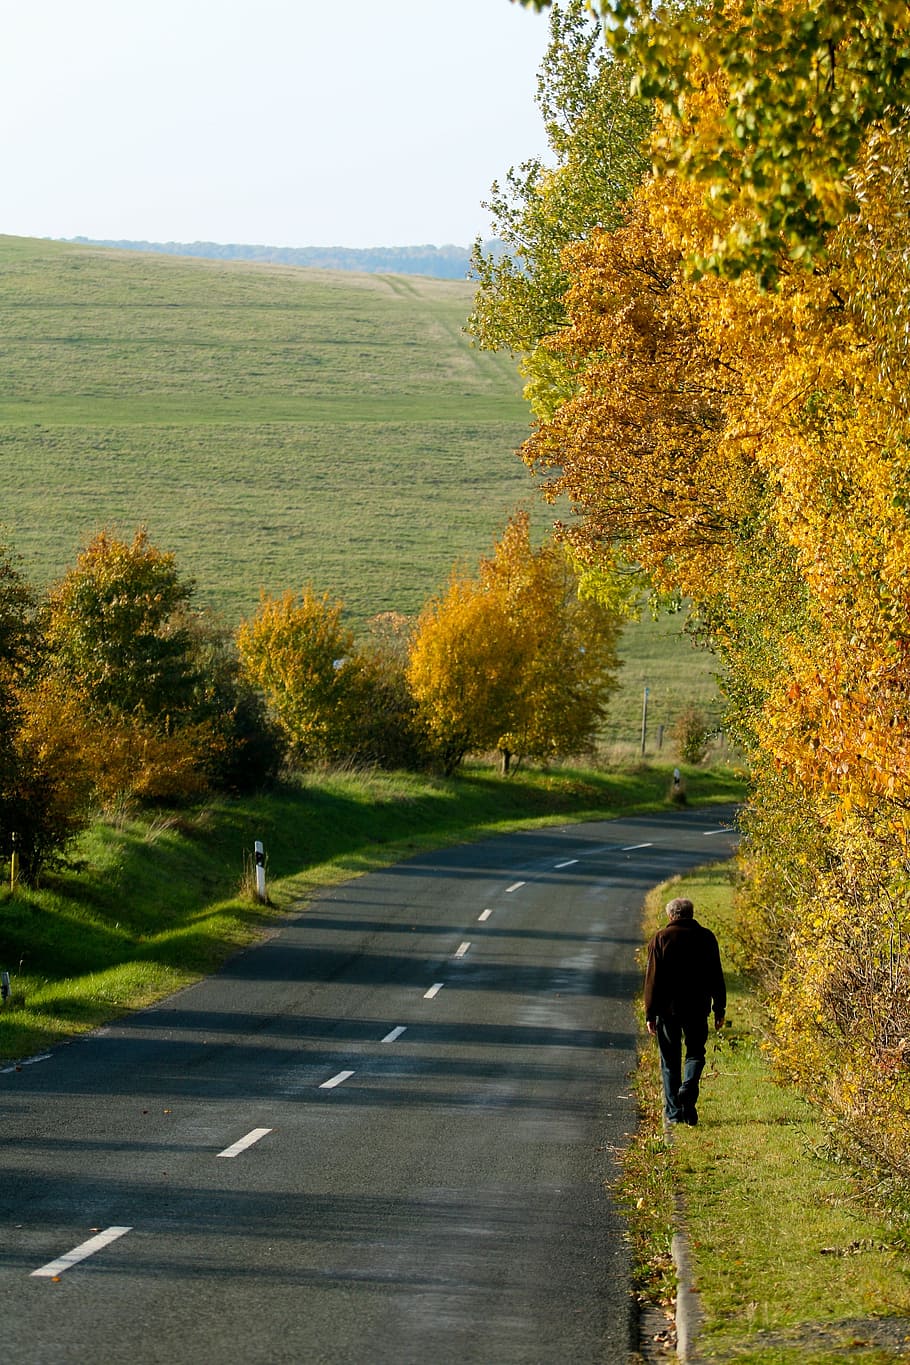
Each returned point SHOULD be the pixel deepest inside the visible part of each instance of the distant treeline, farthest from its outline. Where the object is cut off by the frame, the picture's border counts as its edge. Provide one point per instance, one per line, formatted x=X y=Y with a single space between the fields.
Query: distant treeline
x=441 y=262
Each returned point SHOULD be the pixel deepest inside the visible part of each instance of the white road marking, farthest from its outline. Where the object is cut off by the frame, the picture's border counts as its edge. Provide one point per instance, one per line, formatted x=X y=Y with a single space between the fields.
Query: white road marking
x=241 y=1145
x=434 y=990
x=395 y=1034
x=80 y=1252
x=570 y=863
x=716 y=831
x=484 y=915
x=630 y=848
x=336 y=1080
x=515 y=886
x=29 y=1061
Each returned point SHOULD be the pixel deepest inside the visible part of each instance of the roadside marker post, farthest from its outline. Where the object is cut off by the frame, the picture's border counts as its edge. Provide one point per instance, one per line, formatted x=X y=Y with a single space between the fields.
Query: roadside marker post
x=259 y=857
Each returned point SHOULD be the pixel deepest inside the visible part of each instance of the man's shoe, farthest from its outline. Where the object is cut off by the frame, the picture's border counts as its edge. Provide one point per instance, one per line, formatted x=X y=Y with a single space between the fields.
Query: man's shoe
x=690 y=1115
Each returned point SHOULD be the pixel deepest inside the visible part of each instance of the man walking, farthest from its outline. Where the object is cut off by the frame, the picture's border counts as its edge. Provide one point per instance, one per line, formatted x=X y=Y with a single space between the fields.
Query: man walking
x=684 y=981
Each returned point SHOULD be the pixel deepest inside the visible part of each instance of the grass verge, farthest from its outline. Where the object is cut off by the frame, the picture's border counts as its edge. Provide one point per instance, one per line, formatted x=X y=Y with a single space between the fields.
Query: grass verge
x=150 y=905
x=791 y=1265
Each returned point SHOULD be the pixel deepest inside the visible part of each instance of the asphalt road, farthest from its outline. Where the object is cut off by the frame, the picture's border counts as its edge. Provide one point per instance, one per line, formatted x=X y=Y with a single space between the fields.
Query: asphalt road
x=380 y=1136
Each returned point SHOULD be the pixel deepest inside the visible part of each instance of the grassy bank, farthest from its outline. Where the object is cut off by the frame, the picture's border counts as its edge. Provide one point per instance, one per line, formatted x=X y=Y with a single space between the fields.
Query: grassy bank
x=151 y=904
x=791 y=1266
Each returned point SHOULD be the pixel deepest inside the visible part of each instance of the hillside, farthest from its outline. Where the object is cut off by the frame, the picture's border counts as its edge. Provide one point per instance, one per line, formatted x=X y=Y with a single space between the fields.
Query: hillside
x=271 y=426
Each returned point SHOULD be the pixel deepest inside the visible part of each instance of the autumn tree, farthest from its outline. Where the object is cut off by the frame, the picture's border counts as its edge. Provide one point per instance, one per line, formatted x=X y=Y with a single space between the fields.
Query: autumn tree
x=20 y=647
x=295 y=649
x=20 y=654
x=50 y=791
x=116 y=630
x=804 y=84
x=749 y=448
x=513 y=658
x=466 y=657
x=165 y=709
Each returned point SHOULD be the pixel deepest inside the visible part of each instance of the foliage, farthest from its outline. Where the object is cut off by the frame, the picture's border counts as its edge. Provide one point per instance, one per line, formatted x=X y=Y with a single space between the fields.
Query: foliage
x=334 y=699
x=595 y=131
x=386 y=729
x=804 y=84
x=48 y=799
x=19 y=648
x=466 y=657
x=245 y=748
x=115 y=630
x=296 y=650
x=692 y=733
x=514 y=659
x=751 y=449
x=164 y=709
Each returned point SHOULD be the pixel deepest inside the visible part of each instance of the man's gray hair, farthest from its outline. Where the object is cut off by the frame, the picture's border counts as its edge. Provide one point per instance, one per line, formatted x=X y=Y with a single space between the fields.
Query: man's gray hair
x=680 y=908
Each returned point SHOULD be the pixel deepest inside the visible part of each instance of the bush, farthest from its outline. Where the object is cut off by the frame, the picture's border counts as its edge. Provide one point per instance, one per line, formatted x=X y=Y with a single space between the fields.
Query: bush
x=692 y=732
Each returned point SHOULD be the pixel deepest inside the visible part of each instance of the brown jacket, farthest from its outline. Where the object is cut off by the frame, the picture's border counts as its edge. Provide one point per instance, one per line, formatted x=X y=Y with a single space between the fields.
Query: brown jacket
x=684 y=976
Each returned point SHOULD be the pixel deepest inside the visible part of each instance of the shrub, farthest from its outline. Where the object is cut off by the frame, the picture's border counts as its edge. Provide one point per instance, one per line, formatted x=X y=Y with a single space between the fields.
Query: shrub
x=692 y=732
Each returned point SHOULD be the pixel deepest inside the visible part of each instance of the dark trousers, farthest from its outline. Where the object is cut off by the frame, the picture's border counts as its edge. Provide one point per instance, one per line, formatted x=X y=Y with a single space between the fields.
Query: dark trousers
x=681 y=1084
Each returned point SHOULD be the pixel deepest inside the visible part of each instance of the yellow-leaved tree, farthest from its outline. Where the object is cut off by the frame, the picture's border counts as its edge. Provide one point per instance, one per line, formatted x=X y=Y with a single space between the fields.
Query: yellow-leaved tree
x=334 y=698
x=514 y=658
x=750 y=447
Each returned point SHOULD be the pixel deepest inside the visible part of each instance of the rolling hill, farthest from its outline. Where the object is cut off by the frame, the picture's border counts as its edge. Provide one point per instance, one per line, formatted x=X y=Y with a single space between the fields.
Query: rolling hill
x=272 y=426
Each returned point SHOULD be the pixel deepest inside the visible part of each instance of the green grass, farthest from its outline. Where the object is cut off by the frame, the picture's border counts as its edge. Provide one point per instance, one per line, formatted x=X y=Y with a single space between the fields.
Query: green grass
x=659 y=656
x=273 y=426
x=151 y=904
x=791 y=1265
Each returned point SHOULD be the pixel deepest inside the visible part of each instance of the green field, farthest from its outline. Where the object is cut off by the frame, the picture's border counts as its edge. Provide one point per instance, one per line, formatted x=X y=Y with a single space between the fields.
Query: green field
x=272 y=426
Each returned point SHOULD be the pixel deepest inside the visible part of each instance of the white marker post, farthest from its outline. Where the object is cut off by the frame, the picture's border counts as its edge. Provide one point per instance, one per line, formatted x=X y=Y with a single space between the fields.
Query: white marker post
x=259 y=857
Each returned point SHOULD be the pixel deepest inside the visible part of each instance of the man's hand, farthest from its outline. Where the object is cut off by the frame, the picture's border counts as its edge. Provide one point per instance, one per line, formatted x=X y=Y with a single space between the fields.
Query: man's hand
x=718 y=1021
x=652 y=1028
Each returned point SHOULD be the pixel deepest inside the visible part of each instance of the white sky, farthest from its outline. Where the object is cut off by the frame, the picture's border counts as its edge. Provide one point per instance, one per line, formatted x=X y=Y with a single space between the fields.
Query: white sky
x=284 y=122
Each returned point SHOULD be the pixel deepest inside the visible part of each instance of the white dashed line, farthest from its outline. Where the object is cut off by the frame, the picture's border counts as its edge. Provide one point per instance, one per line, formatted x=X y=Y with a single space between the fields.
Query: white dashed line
x=80 y=1252
x=462 y=949
x=570 y=863
x=241 y=1145
x=485 y=914
x=434 y=990
x=716 y=831
x=515 y=886
x=630 y=848
x=395 y=1034
x=336 y=1080
x=29 y=1061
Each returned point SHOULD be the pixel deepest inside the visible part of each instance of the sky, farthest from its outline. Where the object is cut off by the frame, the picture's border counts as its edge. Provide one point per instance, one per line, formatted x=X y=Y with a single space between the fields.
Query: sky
x=279 y=122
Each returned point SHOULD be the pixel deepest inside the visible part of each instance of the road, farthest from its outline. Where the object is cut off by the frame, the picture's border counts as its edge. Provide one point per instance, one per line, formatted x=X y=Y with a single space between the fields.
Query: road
x=381 y=1135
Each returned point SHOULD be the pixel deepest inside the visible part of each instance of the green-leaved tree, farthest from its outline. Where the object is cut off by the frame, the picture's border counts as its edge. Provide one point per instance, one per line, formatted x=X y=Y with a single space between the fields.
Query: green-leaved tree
x=595 y=130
